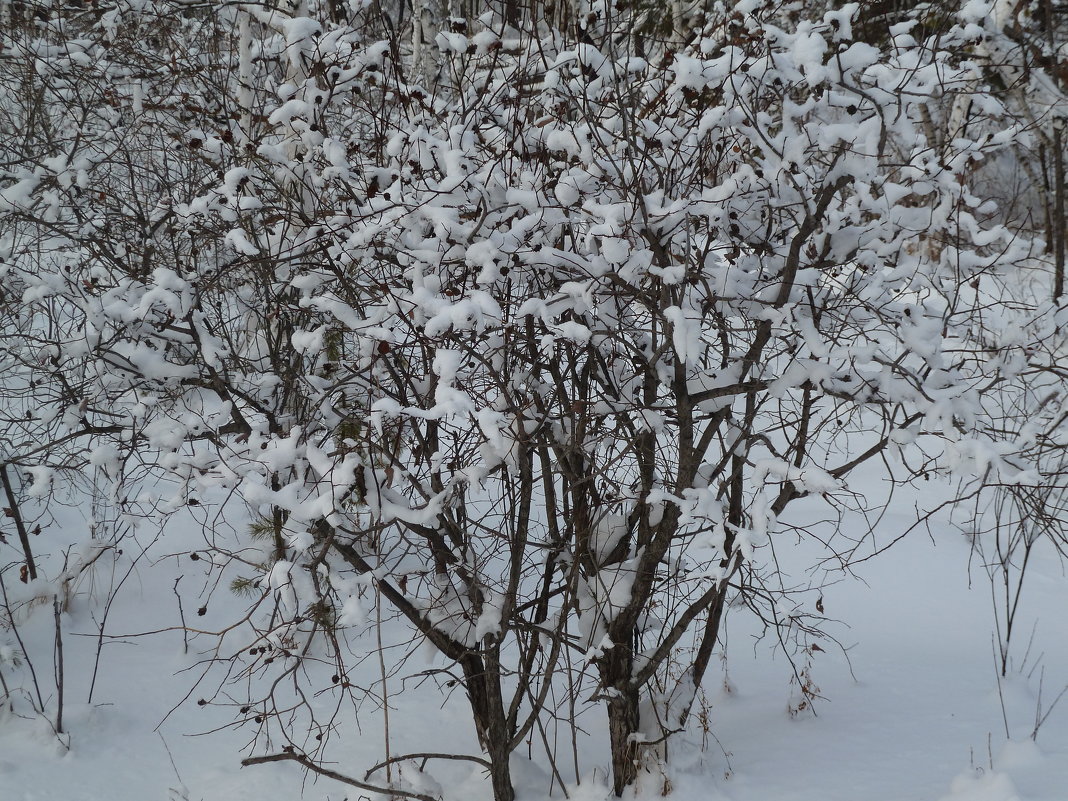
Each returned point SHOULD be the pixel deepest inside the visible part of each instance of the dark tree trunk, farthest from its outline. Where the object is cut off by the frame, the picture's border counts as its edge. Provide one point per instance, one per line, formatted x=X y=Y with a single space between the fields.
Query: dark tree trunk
x=1059 y=233
x=20 y=526
x=623 y=722
x=616 y=668
x=483 y=678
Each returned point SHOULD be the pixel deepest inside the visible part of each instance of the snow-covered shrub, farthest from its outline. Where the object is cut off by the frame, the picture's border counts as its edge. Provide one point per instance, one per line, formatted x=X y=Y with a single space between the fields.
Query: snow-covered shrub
x=532 y=346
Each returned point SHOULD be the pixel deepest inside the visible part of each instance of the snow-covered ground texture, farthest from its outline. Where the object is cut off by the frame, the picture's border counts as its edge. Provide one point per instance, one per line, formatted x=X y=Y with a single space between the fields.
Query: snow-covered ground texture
x=910 y=708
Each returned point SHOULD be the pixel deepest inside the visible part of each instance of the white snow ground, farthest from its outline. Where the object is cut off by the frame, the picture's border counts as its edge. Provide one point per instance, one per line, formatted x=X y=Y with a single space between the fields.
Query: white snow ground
x=921 y=721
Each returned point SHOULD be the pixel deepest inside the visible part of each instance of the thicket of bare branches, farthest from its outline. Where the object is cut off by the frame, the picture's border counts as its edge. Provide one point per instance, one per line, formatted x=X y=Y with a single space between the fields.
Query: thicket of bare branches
x=524 y=327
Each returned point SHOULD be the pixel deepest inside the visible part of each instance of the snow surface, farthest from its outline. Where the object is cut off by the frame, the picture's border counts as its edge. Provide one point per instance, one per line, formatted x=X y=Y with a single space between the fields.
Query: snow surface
x=914 y=713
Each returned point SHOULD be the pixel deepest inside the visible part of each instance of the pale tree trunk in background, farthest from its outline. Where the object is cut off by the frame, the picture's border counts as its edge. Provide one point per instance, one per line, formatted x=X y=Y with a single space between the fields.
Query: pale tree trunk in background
x=245 y=73
x=427 y=16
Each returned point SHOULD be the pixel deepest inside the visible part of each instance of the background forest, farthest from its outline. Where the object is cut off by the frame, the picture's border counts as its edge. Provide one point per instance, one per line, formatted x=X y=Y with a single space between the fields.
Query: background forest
x=411 y=398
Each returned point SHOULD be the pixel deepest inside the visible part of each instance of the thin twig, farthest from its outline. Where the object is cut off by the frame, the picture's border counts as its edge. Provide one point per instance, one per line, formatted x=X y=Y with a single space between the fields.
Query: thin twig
x=181 y=616
x=22 y=645
x=59 y=666
x=385 y=686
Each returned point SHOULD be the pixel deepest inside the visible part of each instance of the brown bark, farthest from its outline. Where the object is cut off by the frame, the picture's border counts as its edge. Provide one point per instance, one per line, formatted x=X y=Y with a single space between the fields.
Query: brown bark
x=1059 y=211
x=623 y=724
x=483 y=679
x=20 y=526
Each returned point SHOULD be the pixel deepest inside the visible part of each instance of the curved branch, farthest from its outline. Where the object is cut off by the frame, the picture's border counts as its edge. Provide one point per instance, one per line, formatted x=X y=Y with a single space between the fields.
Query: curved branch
x=425 y=756
x=332 y=774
